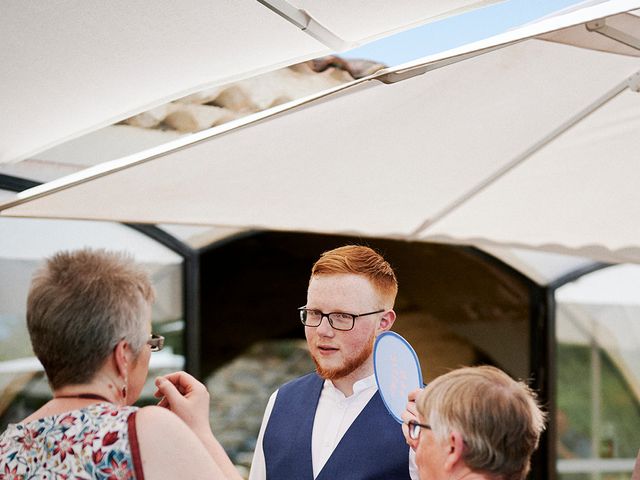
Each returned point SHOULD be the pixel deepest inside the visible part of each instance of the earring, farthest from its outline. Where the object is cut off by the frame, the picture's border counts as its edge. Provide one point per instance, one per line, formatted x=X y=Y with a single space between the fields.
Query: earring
x=124 y=389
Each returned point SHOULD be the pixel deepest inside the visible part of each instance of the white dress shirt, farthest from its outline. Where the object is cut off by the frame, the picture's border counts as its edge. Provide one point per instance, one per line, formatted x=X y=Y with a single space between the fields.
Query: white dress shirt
x=334 y=416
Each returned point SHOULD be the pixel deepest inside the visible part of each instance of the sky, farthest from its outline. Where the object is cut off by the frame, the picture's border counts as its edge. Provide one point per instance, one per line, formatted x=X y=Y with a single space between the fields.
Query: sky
x=452 y=32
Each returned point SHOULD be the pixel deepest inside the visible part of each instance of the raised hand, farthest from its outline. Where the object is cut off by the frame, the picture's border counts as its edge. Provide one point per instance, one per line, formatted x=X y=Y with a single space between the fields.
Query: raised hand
x=187 y=398
x=410 y=413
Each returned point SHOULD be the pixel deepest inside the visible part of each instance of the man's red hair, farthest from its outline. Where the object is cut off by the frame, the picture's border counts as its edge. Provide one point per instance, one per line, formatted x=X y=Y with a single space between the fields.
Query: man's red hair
x=360 y=260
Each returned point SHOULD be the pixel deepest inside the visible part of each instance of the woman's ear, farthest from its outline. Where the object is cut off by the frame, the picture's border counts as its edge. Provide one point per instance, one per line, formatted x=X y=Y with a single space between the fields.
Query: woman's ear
x=386 y=322
x=121 y=354
x=454 y=455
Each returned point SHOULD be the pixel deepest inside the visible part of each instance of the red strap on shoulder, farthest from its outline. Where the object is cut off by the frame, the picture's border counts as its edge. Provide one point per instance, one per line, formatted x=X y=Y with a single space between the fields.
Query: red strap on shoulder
x=135 y=447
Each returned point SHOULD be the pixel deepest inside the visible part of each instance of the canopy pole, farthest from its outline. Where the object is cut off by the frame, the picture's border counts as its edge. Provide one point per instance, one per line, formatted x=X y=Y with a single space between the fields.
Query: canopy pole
x=398 y=75
x=600 y=26
x=628 y=83
x=305 y=22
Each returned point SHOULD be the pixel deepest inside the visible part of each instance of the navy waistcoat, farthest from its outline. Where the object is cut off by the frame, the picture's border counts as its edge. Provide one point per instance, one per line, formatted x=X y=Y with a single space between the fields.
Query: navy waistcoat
x=373 y=448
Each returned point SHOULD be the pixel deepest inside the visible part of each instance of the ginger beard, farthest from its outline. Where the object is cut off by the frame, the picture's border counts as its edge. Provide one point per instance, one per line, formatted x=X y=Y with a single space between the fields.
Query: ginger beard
x=350 y=365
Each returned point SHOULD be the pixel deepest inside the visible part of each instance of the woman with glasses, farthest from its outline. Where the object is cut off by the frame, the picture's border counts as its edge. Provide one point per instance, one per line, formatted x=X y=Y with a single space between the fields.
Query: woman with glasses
x=473 y=423
x=89 y=319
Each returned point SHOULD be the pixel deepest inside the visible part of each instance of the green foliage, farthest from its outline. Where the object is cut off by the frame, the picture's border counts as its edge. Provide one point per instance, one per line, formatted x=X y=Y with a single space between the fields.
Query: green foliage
x=620 y=414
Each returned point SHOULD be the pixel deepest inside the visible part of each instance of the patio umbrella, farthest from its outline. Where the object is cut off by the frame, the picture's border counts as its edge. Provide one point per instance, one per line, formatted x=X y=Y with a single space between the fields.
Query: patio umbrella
x=73 y=66
x=400 y=154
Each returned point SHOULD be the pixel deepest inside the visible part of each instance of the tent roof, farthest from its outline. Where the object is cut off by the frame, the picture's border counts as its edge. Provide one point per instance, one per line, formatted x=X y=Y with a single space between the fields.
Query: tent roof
x=76 y=66
x=542 y=267
x=406 y=153
x=592 y=194
x=616 y=285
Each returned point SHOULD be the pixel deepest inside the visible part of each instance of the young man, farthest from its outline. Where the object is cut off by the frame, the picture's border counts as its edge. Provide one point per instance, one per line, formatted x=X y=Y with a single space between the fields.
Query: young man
x=333 y=424
x=474 y=423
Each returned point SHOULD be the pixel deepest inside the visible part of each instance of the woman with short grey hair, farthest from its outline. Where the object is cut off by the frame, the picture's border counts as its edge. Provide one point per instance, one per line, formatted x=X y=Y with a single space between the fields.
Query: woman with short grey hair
x=89 y=319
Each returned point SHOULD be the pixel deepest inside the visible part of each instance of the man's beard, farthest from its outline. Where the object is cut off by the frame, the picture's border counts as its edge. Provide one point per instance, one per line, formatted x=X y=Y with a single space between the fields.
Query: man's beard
x=351 y=364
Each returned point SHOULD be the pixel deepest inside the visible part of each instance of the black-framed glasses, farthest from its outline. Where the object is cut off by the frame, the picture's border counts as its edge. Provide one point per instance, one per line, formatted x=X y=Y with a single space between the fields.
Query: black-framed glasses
x=414 y=429
x=338 y=320
x=156 y=342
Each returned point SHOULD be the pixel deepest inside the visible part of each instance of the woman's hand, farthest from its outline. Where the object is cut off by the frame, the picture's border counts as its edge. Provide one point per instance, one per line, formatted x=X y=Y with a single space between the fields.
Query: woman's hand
x=187 y=398
x=410 y=413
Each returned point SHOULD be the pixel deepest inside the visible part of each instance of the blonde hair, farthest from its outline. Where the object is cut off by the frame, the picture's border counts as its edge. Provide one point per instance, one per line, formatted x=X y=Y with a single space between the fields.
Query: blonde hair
x=80 y=305
x=360 y=260
x=498 y=418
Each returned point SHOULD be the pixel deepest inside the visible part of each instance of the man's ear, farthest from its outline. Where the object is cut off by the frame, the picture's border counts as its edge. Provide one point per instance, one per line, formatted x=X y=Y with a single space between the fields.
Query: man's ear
x=386 y=322
x=121 y=358
x=455 y=444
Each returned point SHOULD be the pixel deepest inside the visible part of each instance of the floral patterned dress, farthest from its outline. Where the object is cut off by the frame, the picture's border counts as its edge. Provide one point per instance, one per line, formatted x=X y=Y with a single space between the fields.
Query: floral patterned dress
x=96 y=442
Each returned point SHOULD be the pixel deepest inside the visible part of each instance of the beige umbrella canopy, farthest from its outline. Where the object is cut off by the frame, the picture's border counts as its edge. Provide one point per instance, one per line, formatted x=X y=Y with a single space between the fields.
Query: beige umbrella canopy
x=401 y=159
x=72 y=66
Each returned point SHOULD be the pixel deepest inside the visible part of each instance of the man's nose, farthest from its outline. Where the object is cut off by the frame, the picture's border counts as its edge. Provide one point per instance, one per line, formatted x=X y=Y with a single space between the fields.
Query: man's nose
x=325 y=329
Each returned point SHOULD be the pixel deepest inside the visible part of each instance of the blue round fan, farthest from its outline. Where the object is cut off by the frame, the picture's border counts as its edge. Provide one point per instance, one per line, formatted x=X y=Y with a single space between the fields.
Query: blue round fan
x=397 y=370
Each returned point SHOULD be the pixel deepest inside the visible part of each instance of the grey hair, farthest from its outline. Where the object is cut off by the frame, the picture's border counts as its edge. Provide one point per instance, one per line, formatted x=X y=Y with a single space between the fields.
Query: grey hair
x=499 y=418
x=80 y=305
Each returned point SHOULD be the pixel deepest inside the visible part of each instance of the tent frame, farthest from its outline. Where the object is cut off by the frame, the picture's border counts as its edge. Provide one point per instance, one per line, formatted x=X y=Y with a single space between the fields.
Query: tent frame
x=305 y=22
x=601 y=27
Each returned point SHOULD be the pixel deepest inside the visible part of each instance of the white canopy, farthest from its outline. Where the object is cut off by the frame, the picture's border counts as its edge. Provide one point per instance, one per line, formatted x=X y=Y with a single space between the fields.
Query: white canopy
x=73 y=66
x=409 y=159
x=579 y=193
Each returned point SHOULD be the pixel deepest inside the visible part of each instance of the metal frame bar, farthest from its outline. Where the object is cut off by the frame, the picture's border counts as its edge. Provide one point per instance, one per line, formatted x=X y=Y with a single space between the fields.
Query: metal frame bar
x=16 y=184
x=600 y=26
x=190 y=293
x=305 y=22
x=541 y=356
x=551 y=360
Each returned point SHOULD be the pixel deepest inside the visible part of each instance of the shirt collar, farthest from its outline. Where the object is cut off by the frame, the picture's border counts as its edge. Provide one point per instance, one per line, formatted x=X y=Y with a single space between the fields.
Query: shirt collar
x=364 y=384
x=358 y=387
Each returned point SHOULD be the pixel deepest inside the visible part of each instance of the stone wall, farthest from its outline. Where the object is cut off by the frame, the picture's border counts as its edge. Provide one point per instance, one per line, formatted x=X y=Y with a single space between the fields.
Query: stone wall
x=241 y=389
x=218 y=105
